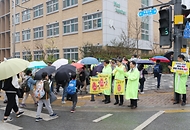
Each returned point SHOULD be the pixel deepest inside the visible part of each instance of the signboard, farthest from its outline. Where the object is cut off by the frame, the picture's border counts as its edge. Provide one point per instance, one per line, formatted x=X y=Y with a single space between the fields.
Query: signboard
x=104 y=81
x=186 y=33
x=180 y=67
x=144 y=13
x=94 y=85
x=119 y=87
x=117 y=8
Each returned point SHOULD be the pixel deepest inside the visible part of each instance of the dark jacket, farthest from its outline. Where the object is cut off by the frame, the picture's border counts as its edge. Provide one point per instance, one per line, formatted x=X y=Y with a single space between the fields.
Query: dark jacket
x=82 y=76
x=47 y=90
x=8 y=87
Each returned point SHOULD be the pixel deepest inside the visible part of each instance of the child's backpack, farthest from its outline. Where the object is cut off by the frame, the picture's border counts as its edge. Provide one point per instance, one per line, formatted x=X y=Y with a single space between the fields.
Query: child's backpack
x=71 y=89
x=156 y=69
x=25 y=86
x=39 y=92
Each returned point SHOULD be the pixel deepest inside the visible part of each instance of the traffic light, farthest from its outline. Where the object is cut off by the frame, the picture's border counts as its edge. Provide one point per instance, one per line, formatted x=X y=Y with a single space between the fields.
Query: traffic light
x=185 y=13
x=165 y=29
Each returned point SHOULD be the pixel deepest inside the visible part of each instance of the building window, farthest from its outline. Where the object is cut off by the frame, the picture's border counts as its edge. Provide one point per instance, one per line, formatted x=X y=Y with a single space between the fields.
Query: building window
x=38 y=55
x=38 y=11
x=145 y=23
x=38 y=32
x=25 y=15
x=17 y=37
x=24 y=1
x=53 y=53
x=16 y=2
x=145 y=52
x=144 y=3
x=52 y=6
x=17 y=18
x=26 y=55
x=53 y=29
x=70 y=26
x=93 y=21
x=26 y=35
x=17 y=54
x=69 y=3
x=71 y=53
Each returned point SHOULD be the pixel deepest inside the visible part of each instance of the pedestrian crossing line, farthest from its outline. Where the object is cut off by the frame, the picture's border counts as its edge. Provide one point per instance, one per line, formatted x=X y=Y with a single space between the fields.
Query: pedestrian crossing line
x=30 y=113
x=7 y=126
x=102 y=118
x=149 y=120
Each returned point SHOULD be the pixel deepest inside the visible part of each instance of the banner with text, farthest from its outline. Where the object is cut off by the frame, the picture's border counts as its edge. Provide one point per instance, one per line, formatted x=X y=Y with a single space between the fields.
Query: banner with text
x=119 y=87
x=104 y=81
x=180 y=67
x=94 y=85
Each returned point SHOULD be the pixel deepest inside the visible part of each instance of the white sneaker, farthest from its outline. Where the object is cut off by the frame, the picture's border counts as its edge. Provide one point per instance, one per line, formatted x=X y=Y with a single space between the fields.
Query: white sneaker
x=63 y=102
x=142 y=92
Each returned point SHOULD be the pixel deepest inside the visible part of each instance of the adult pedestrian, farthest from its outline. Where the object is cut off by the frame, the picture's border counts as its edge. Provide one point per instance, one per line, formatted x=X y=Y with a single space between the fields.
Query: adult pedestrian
x=82 y=78
x=11 y=87
x=31 y=84
x=132 y=85
x=64 y=84
x=142 y=77
x=158 y=73
x=107 y=70
x=180 y=83
x=119 y=75
x=45 y=99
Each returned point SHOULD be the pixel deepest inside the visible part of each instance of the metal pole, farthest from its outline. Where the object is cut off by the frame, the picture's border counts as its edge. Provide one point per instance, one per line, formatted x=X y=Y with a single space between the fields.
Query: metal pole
x=14 y=28
x=177 y=35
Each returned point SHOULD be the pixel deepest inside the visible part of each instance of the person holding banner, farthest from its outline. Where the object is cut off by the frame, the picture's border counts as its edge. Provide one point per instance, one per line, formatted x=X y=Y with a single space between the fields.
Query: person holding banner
x=180 y=83
x=107 y=92
x=119 y=74
x=132 y=85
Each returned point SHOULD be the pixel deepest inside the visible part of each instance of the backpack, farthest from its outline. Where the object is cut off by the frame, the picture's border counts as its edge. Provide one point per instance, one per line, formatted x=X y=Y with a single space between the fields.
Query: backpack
x=25 y=86
x=71 y=89
x=39 y=92
x=156 y=69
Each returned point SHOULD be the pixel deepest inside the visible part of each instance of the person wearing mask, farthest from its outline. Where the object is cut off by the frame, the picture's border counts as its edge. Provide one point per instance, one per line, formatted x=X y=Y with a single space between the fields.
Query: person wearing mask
x=107 y=70
x=11 y=87
x=45 y=99
x=118 y=72
x=31 y=84
x=180 y=84
x=157 y=70
x=132 y=85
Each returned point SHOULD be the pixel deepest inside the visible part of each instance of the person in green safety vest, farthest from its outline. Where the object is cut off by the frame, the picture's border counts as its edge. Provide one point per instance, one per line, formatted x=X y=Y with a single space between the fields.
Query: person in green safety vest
x=107 y=70
x=180 y=83
x=119 y=74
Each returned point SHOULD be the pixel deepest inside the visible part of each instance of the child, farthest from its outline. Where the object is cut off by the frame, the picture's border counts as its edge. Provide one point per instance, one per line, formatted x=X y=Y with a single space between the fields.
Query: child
x=45 y=99
x=72 y=90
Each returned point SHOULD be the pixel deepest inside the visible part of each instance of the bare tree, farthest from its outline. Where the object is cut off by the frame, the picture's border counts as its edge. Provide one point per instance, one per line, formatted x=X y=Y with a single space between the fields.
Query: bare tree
x=28 y=55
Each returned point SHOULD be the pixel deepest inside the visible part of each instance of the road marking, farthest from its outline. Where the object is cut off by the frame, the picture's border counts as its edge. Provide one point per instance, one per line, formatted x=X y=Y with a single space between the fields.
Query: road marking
x=45 y=117
x=149 y=120
x=7 y=126
x=176 y=111
x=102 y=118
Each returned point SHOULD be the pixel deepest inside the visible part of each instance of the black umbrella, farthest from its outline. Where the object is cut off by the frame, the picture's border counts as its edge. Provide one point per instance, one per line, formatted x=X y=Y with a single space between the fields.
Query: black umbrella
x=168 y=54
x=97 y=69
x=49 y=69
x=63 y=73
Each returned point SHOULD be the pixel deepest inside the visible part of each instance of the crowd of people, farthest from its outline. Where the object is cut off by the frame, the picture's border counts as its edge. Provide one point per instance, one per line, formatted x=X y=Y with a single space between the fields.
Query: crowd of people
x=118 y=69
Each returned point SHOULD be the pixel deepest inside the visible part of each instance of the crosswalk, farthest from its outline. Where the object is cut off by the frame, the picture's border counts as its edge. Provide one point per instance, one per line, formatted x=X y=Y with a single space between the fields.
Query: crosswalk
x=9 y=126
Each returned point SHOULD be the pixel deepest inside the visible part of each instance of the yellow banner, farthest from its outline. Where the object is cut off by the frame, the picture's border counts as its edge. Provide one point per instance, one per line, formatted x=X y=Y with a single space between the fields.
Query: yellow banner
x=180 y=67
x=104 y=81
x=94 y=85
x=119 y=87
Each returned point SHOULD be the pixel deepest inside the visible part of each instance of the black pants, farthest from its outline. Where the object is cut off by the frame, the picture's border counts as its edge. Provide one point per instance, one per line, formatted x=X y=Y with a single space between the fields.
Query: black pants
x=74 y=99
x=11 y=104
x=107 y=98
x=141 y=81
x=177 y=97
x=117 y=98
x=133 y=102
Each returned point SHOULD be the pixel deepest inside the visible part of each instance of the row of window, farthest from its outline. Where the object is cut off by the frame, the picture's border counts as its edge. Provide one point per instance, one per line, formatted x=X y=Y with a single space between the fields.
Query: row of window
x=52 y=6
x=90 y=22
x=69 y=53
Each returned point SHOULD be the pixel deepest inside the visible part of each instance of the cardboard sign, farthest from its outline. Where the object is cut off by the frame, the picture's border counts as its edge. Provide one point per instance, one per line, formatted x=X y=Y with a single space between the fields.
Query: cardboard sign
x=119 y=87
x=104 y=81
x=180 y=67
x=94 y=85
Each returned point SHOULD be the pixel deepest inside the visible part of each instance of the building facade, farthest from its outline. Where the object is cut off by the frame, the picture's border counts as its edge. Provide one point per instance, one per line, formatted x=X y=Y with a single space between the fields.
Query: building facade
x=4 y=29
x=61 y=27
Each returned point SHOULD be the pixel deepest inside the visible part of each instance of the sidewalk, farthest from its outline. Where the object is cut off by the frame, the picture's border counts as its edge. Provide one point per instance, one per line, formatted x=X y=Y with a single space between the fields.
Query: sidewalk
x=151 y=98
